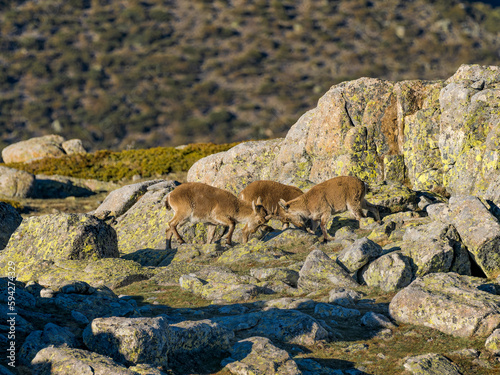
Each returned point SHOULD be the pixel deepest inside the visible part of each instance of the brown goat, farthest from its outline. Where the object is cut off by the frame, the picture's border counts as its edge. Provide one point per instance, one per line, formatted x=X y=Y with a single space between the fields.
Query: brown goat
x=200 y=203
x=271 y=192
x=324 y=200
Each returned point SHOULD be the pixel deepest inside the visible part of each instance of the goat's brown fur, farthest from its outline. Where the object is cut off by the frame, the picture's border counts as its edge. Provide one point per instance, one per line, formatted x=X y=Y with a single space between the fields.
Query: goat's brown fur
x=197 y=202
x=270 y=192
x=323 y=200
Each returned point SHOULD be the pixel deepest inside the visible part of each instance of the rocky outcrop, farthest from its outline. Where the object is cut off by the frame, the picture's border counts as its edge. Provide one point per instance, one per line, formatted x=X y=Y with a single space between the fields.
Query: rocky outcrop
x=15 y=183
x=48 y=146
x=437 y=134
x=10 y=220
x=453 y=304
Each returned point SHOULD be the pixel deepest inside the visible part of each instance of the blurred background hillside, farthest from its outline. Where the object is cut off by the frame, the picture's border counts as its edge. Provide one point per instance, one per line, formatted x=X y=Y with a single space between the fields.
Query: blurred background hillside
x=121 y=74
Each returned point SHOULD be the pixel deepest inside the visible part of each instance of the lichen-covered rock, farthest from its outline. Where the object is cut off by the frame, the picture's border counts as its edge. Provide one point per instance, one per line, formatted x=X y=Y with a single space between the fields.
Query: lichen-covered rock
x=110 y=272
x=120 y=200
x=253 y=251
x=10 y=220
x=129 y=340
x=390 y=272
x=58 y=237
x=234 y=169
x=437 y=134
x=320 y=271
x=289 y=326
x=16 y=184
x=52 y=334
x=361 y=252
x=431 y=364
x=218 y=291
x=479 y=230
x=391 y=196
x=286 y=275
x=427 y=256
x=492 y=343
x=69 y=361
x=258 y=356
x=468 y=139
x=34 y=148
x=439 y=232
x=448 y=302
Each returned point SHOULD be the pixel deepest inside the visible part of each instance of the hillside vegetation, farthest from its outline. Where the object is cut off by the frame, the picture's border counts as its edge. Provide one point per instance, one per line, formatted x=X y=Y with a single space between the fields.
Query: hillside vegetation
x=105 y=165
x=135 y=74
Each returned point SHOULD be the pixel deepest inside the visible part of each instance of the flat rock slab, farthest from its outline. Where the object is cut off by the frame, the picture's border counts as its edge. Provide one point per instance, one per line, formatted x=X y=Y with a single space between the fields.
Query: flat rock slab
x=450 y=303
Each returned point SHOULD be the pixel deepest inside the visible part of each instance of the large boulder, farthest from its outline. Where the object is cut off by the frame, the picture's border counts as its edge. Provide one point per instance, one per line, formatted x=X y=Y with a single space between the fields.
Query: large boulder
x=16 y=184
x=451 y=303
x=50 y=238
x=390 y=272
x=34 y=148
x=129 y=340
x=360 y=253
x=154 y=340
x=10 y=220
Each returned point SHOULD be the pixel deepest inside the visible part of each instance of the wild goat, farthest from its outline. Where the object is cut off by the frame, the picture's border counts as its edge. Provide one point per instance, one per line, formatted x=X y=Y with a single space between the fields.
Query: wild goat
x=200 y=203
x=325 y=199
x=271 y=192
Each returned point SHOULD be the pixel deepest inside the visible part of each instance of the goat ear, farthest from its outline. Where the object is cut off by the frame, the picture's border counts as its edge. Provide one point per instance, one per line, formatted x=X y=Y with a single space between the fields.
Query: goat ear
x=283 y=204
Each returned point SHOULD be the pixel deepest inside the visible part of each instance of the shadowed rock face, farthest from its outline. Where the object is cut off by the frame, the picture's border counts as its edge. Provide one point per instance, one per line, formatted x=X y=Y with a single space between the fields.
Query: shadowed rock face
x=10 y=220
